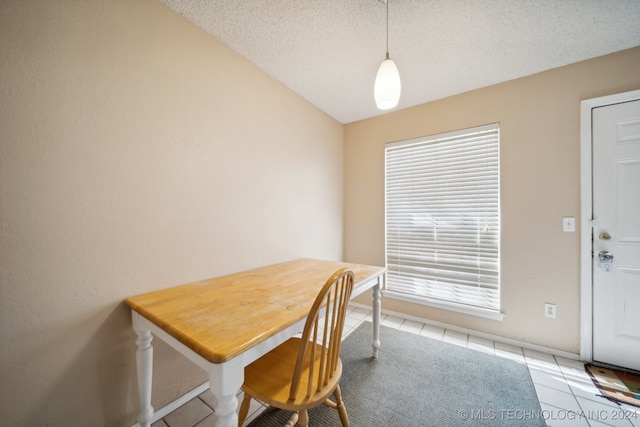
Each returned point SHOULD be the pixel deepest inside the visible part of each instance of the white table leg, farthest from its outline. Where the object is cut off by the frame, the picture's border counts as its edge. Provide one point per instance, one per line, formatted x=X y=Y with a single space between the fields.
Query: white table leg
x=376 y=305
x=144 y=362
x=225 y=380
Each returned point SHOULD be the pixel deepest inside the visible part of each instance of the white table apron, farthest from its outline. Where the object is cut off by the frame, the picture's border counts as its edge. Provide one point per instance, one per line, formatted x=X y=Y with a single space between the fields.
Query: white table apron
x=225 y=379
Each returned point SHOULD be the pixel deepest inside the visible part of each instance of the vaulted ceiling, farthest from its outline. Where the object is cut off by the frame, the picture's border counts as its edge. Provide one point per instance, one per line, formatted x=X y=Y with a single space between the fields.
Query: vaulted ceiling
x=328 y=51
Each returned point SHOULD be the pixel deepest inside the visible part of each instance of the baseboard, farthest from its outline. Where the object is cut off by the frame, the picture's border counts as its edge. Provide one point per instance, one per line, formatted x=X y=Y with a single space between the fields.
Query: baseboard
x=535 y=347
x=166 y=410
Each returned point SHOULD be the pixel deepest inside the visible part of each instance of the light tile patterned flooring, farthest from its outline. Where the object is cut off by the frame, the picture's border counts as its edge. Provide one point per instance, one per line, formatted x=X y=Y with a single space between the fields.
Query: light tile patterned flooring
x=567 y=395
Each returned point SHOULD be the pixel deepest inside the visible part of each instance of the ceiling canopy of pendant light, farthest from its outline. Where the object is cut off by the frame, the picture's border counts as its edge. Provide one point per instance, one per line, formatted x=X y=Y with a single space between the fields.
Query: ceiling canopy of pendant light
x=387 y=87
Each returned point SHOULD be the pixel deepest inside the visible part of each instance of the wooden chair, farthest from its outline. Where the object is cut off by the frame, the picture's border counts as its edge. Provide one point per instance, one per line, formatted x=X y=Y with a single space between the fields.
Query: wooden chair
x=303 y=372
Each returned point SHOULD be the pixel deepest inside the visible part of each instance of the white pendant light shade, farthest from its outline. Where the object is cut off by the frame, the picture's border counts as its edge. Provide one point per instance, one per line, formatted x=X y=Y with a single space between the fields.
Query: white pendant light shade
x=386 y=89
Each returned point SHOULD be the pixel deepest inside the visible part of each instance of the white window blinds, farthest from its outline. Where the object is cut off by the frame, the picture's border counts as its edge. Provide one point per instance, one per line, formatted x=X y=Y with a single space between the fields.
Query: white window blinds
x=442 y=212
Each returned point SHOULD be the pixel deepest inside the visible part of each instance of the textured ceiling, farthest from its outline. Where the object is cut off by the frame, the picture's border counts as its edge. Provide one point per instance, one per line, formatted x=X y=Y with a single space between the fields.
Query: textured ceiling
x=328 y=51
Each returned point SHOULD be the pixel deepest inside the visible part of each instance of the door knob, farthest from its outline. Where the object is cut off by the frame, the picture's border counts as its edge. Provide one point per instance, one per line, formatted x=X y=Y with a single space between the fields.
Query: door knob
x=606 y=260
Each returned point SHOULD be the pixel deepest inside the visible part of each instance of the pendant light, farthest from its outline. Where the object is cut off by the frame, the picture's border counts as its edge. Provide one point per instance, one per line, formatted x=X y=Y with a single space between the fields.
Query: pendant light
x=386 y=89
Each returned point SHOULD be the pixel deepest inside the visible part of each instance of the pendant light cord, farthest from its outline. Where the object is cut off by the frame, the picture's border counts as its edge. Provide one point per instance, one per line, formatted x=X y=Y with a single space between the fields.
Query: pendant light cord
x=387 y=3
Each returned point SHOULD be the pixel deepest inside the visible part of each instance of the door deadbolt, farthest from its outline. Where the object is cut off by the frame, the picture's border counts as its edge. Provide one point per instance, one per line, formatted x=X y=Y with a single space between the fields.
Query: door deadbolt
x=606 y=260
x=605 y=236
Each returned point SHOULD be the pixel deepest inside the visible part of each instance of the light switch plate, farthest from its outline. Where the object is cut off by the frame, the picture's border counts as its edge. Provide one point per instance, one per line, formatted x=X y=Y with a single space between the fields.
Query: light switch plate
x=568 y=224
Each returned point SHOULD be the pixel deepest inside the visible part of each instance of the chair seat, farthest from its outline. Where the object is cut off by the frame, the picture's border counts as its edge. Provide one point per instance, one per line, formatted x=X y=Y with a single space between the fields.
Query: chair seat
x=268 y=379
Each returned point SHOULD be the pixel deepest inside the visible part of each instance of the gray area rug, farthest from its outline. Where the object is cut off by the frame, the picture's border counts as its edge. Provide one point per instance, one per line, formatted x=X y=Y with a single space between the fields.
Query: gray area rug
x=421 y=382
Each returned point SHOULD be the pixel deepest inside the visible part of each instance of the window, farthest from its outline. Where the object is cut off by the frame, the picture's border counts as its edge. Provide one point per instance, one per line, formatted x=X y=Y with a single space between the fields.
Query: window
x=442 y=214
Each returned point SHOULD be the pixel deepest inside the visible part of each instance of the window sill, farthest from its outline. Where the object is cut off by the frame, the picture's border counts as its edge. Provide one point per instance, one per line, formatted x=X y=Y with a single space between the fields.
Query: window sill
x=472 y=311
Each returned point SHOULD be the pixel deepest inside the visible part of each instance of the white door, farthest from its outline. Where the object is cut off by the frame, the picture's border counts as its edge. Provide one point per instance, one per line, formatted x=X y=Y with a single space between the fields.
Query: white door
x=616 y=232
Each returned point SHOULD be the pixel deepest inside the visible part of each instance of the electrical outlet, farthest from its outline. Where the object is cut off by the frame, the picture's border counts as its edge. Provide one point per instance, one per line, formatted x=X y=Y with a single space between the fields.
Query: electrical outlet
x=550 y=310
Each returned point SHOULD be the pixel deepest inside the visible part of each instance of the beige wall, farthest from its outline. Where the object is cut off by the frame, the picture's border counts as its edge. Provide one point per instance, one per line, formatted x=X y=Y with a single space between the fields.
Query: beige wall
x=540 y=179
x=137 y=153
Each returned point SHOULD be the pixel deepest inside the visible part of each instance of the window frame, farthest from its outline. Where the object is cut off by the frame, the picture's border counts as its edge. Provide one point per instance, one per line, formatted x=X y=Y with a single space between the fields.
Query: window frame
x=462 y=135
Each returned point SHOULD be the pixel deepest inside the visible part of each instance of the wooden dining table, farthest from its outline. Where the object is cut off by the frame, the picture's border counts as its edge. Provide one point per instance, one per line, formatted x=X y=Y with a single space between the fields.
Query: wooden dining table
x=225 y=323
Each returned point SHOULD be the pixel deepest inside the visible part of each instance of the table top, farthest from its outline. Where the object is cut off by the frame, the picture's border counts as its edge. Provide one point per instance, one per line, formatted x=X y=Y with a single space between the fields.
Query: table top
x=222 y=317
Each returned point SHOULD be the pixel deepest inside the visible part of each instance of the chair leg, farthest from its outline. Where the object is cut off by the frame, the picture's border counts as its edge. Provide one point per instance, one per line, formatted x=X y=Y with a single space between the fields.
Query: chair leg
x=341 y=408
x=304 y=418
x=244 y=409
x=292 y=421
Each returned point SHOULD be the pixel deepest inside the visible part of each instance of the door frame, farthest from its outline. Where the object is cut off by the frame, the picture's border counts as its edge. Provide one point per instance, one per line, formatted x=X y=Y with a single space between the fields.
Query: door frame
x=586 y=215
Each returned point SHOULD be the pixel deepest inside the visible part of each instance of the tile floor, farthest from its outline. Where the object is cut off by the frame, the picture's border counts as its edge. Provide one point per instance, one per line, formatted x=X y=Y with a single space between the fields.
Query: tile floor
x=567 y=395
